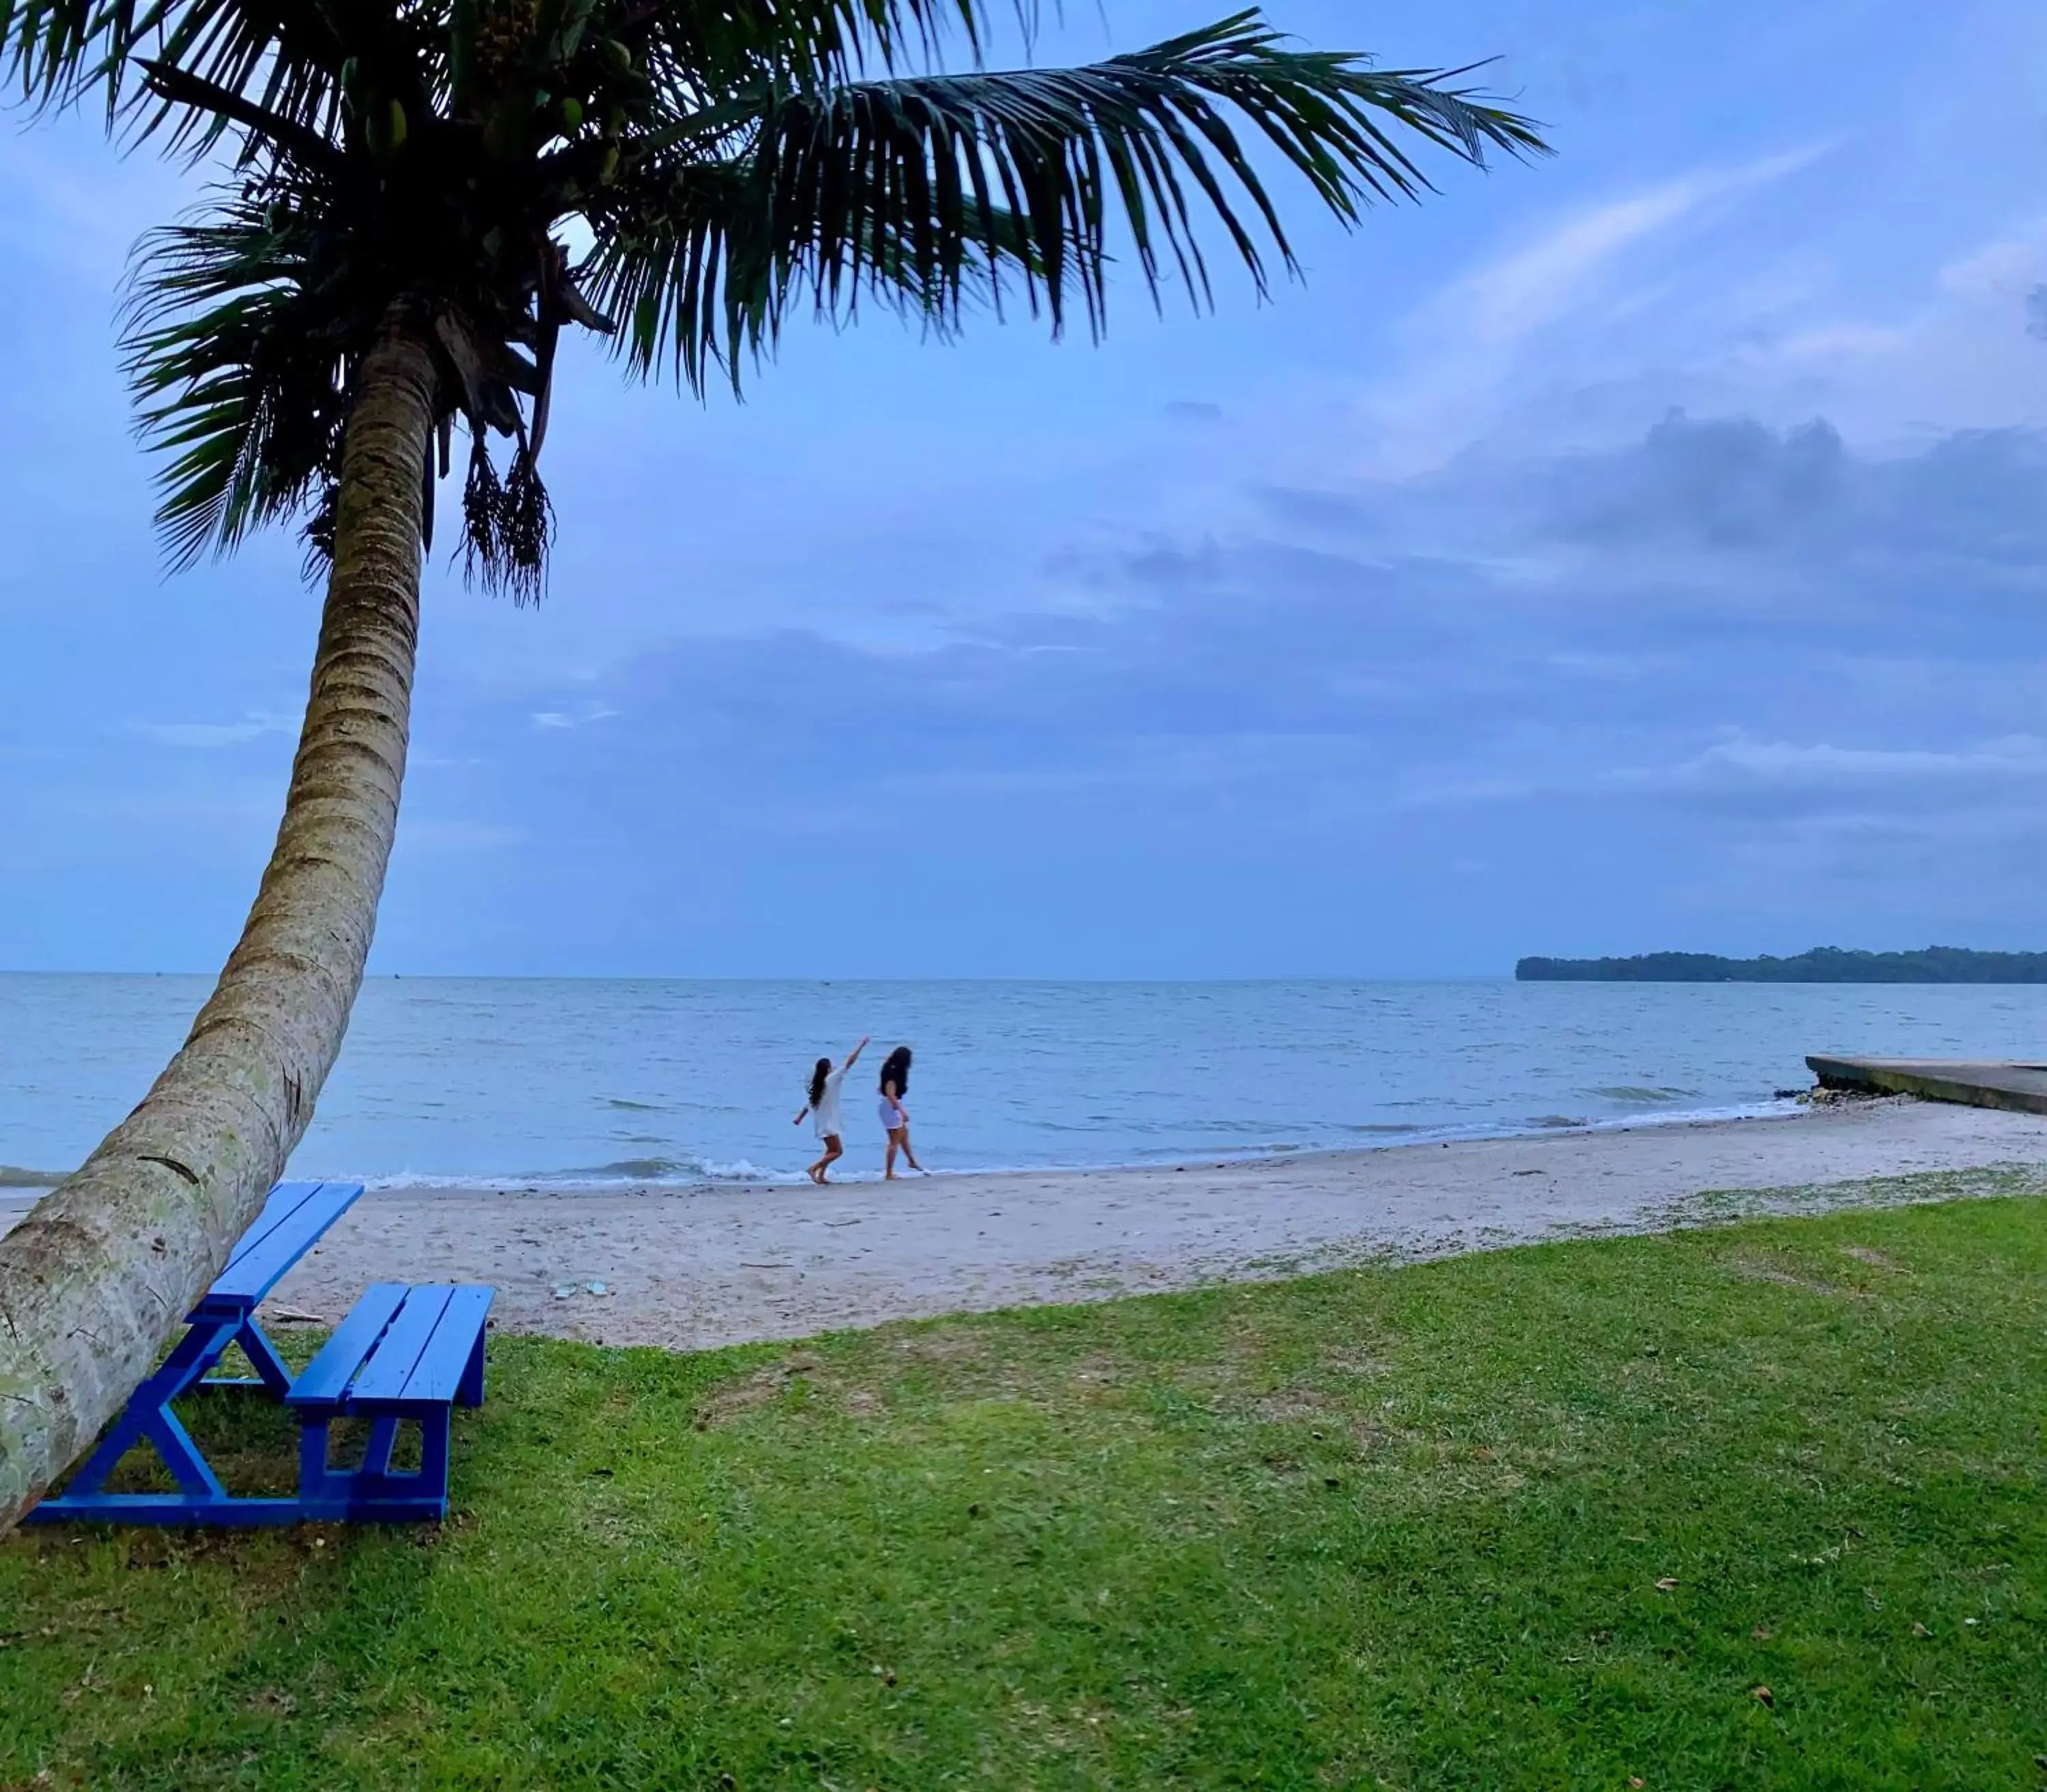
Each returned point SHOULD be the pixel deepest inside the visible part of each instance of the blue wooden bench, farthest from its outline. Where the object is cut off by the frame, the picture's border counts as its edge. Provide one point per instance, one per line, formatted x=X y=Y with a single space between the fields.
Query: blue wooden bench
x=295 y=1216
x=403 y=1353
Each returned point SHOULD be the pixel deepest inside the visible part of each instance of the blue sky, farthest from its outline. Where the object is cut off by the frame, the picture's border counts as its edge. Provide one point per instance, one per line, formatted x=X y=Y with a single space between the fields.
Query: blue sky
x=1642 y=549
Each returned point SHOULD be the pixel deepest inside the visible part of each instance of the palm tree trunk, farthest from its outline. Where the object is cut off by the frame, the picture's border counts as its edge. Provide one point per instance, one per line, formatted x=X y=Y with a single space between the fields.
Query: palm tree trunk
x=94 y=1280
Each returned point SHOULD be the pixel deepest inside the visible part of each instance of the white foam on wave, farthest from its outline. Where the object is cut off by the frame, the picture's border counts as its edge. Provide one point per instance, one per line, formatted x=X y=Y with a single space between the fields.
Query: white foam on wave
x=665 y=1174
x=707 y=1175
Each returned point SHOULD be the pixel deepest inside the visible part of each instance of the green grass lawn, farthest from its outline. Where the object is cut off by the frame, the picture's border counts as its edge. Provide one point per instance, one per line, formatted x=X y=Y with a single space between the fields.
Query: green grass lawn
x=1758 y=1506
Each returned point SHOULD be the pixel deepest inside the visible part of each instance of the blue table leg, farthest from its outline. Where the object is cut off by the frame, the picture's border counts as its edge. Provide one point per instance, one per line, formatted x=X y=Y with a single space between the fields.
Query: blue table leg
x=148 y=1418
x=148 y=1415
x=376 y=1491
x=263 y=1357
x=190 y=1469
x=315 y=1476
x=470 y=1392
x=377 y=1452
x=433 y=1452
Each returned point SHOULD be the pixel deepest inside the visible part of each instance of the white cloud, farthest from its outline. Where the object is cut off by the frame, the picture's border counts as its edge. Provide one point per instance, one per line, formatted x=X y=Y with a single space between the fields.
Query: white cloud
x=207 y=735
x=1467 y=347
x=1837 y=343
x=2007 y=265
x=1808 y=771
x=1822 y=766
x=1954 y=353
x=581 y=718
x=1518 y=294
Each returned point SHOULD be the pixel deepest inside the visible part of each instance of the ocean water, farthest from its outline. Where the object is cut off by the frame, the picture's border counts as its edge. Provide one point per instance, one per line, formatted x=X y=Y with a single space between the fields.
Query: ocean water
x=518 y=1082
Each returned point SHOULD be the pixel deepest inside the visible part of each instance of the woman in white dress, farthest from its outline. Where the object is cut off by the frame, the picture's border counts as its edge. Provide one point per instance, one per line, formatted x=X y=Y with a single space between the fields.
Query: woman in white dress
x=822 y=1109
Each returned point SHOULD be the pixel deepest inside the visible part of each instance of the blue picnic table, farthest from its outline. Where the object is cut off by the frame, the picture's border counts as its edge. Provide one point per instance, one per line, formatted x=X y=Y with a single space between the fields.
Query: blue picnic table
x=406 y=1352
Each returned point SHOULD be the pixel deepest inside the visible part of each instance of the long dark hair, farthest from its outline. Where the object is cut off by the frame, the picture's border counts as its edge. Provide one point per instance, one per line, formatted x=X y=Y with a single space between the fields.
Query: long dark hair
x=817 y=1081
x=896 y=1069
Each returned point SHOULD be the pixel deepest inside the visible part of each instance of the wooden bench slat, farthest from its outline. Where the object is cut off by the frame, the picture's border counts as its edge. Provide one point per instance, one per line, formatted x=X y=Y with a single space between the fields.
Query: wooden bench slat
x=398 y=1351
x=326 y=1377
x=253 y=1271
x=438 y=1372
x=282 y=1202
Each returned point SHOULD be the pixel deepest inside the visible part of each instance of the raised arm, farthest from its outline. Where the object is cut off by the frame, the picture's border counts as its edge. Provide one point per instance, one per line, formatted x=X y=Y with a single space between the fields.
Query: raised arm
x=853 y=1055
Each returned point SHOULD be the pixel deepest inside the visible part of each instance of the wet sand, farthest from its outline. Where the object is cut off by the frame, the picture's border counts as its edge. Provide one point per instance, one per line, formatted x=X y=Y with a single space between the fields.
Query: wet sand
x=704 y=1267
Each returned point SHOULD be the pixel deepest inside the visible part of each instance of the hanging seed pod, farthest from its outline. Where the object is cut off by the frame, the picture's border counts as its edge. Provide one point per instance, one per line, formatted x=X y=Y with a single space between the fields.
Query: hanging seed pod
x=318 y=534
x=505 y=31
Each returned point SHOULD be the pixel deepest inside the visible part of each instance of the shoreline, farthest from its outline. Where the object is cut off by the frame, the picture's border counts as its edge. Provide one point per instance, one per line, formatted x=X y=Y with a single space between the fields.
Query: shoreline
x=18 y=1186
x=766 y=1182
x=715 y=1264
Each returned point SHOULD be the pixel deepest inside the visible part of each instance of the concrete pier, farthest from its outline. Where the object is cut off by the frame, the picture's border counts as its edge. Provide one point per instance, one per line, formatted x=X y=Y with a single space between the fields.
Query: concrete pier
x=2018 y=1088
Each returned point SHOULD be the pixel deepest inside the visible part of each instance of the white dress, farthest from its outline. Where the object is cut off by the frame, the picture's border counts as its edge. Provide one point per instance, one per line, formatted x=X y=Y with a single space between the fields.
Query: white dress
x=824 y=1112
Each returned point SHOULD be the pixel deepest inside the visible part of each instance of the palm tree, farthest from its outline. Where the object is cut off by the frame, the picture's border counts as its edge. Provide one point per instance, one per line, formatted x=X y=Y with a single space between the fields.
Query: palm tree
x=385 y=261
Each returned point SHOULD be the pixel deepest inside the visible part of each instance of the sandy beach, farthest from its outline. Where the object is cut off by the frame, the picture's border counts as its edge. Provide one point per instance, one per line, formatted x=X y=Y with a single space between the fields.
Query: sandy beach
x=693 y=1269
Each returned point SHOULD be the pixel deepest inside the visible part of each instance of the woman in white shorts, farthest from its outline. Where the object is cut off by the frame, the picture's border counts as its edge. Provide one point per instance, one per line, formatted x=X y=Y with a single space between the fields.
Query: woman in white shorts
x=894 y=1115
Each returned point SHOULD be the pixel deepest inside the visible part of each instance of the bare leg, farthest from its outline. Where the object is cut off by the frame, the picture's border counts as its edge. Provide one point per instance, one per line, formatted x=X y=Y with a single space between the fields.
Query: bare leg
x=894 y=1142
x=911 y=1155
x=833 y=1152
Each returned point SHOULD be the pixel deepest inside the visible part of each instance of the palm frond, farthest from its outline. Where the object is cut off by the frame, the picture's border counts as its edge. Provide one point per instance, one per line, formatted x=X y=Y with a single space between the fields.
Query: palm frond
x=285 y=58
x=935 y=187
x=222 y=349
x=702 y=279
x=736 y=160
x=43 y=43
x=808 y=43
x=291 y=56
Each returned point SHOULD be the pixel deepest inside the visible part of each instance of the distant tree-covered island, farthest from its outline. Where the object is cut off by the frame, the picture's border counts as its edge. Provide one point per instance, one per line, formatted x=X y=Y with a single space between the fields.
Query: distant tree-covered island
x=1823 y=964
